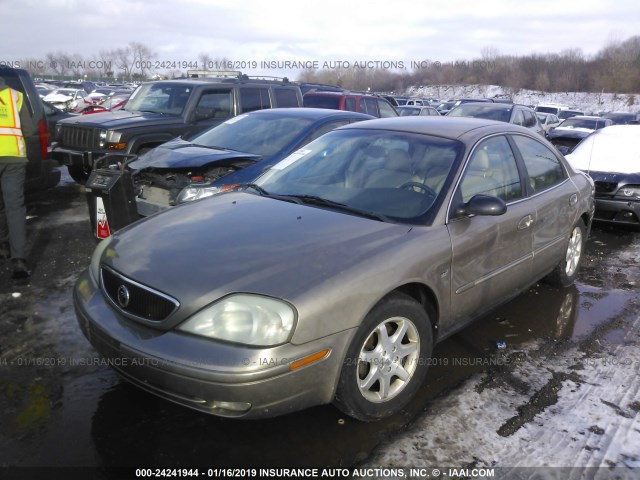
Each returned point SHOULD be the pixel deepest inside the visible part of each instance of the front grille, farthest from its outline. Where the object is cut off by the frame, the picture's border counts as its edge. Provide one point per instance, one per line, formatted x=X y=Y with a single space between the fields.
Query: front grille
x=73 y=136
x=143 y=302
x=605 y=187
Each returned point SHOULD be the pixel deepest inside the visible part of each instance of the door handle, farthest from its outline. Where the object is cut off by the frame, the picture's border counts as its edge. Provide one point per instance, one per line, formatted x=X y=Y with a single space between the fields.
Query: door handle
x=525 y=222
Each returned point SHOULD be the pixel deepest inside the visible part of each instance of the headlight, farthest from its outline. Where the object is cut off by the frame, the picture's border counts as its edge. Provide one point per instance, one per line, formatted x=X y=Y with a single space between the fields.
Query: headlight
x=103 y=138
x=194 y=192
x=94 y=268
x=244 y=318
x=629 y=192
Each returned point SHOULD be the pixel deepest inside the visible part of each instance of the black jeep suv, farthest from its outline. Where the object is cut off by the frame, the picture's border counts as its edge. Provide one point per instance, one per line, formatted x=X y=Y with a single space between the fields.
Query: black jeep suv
x=162 y=110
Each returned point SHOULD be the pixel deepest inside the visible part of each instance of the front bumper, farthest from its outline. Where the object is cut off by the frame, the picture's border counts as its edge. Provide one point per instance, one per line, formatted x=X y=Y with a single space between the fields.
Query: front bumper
x=213 y=377
x=77 y=158
x=618 y=212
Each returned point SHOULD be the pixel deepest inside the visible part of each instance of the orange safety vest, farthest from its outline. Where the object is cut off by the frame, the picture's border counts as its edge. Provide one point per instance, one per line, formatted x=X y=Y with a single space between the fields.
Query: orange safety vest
x=11 y=138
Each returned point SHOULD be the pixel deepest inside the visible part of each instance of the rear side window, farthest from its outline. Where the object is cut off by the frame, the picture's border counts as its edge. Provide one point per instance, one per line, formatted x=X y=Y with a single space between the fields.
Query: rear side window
x=350 y=104
x=321 y=101
x=544 y=168
x=254 y=99
x=285 y=97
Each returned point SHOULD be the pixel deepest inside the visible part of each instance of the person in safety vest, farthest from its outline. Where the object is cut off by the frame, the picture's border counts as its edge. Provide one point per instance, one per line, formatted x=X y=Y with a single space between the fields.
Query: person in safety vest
x=15 y=124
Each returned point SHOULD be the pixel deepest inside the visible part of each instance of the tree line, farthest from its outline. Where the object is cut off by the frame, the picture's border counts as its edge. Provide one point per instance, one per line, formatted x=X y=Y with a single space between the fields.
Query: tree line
x=615 y=69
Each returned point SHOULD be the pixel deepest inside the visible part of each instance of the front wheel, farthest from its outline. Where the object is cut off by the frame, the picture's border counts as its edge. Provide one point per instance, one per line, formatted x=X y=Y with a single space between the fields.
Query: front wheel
x=566 y=271
x=386 y=361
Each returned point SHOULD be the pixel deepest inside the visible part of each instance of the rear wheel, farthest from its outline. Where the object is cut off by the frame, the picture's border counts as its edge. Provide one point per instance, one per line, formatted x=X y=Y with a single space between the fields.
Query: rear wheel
x=566 y=271
x=387 y=359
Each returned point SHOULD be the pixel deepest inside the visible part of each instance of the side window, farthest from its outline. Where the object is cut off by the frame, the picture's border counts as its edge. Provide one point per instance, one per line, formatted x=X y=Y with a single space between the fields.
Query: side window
x=518 y=118
x=543 y=167
x=322 y=129
x=214 y=104
x=492 y=170
x=254 y=99
x=529 y=119
x=372 y=106
x=386 y=110
x=350 y=104
x=285 y=97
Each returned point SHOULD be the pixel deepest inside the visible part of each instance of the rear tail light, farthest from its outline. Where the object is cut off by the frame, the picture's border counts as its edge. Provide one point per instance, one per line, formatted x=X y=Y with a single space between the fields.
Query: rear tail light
x=45 y=136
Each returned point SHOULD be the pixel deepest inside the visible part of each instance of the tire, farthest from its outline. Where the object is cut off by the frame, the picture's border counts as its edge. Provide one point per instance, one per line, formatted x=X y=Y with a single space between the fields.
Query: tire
x=396 y=341
x=79 y=174
x=566 y=271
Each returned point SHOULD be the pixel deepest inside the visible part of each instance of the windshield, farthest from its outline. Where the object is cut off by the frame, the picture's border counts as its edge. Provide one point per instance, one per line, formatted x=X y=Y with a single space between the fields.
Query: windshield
x=321 y=101
x=394 y=175
x=168 y=98
x=553 y=110
x=263 y=135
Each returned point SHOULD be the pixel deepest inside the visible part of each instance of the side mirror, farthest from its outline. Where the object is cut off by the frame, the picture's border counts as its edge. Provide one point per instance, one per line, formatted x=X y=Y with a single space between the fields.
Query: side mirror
x=563 y=149
x=483 y=205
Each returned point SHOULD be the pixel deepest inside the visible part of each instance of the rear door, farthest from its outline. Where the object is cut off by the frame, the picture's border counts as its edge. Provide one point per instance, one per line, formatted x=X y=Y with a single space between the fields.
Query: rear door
x=555 y=200
x=492 y=255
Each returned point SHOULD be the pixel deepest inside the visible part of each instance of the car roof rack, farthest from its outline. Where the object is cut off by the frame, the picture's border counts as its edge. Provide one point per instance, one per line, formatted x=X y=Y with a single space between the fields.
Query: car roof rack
x=215 y=73
x=232 y=74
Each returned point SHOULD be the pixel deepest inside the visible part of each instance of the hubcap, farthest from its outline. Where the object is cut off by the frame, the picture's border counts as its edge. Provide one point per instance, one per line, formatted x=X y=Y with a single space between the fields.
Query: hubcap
x=388 y=359
x=574 y=251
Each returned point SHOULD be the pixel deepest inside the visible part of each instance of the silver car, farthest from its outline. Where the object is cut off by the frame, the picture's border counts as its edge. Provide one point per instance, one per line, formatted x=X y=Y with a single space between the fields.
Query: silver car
x=332 y=276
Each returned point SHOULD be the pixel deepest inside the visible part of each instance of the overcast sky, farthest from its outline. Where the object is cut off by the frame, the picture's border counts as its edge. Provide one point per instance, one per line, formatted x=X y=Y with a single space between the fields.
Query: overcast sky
x=314 y=30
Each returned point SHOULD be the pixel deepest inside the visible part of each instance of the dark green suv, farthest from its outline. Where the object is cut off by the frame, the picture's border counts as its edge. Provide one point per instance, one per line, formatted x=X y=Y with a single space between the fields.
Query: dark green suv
x=41 y=171
x=160 y=111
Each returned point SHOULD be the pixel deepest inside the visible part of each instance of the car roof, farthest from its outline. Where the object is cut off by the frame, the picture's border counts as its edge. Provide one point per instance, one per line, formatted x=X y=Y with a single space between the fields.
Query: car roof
x=443 y=126
x=309 y=113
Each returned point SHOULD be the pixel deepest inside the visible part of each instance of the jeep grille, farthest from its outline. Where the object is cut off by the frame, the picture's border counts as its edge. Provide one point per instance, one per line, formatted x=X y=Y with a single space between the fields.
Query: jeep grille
x=74 y=136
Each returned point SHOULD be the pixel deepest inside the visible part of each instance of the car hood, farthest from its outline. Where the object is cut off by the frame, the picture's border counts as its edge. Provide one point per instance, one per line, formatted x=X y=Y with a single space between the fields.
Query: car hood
x=123 y=119
x=182 y=154
x=57 y=98
x=621 y=160
x=239 y=242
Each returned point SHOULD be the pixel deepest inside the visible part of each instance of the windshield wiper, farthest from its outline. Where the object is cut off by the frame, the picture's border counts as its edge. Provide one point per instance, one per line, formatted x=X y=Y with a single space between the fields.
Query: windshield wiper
x=257 y=188
x=324 y=202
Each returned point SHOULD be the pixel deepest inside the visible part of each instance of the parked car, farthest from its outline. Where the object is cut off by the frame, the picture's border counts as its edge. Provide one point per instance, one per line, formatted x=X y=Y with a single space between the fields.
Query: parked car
x=68 y=99
x=41 y=172
x=611 y=156
x=502 y=112
x=160 y=111
x=571 y=131
x=332 y=276
x=623 y=118
x=354 y=102
x=230 y=154
x=547 y=120
x=445 y=107
x=554 y=108
x=420 y=111
x=110 y=104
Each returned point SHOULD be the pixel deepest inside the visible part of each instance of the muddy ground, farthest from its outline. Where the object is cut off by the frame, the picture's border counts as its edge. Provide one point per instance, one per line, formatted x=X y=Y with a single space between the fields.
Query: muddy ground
x=550 y=379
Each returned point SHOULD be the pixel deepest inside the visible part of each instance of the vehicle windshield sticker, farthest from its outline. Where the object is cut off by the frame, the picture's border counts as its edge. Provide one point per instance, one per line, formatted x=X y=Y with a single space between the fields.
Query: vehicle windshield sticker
x=235 y=119
x=294 y=157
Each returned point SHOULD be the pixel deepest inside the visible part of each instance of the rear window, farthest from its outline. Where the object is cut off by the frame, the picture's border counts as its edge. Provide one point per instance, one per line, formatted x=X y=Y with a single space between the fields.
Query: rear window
x=321 y=101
